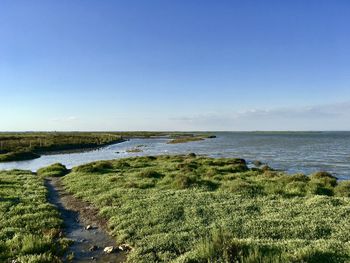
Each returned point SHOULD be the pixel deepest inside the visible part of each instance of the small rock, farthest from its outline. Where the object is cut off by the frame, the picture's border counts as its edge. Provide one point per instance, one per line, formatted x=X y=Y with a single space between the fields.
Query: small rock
x=125 y=247
x=93 y=248
x=88 y=227
x=108 y=250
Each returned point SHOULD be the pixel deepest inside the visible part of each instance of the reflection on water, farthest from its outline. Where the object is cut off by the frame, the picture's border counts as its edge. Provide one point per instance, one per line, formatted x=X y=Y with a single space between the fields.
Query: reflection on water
x=293 y=152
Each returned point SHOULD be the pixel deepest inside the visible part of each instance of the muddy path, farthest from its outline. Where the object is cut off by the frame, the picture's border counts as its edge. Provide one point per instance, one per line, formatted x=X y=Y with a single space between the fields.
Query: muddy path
x=88 y=244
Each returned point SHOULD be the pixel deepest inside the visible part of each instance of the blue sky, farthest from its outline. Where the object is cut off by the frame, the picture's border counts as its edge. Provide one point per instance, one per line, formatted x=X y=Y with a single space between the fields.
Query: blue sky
x=174 y=65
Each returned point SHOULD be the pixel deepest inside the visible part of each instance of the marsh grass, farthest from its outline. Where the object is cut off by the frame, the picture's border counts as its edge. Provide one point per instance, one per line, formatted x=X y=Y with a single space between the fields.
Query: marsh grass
x=199 y=209
x=29 y=225
x=343 y=189
x=18 y=156
x=29 y=145
x=189 y=137
x=134 y=150
x=26 y=146
x=53 y=170
x=185 y=139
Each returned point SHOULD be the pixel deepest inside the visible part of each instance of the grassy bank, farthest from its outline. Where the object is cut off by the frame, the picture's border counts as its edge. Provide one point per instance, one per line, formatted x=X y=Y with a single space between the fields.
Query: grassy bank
x=18 y=156
x=26 y=146
x=29 y=145
x=184 y=138
x=198 y=209
x=29 y=225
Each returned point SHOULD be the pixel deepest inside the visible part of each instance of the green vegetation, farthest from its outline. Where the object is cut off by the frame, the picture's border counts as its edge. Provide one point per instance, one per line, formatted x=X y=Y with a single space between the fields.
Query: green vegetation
x=199 y=209
x=188 y=137
x=141 y=134
x=26 y=146
x=343 y=189
x=134 y=150
x=29 y=145
x=29 y=225
x=18 y=156
x=185 y=139
x=54 y=170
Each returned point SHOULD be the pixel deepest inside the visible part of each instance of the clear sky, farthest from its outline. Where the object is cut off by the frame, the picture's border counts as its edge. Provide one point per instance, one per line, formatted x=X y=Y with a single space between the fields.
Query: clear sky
x=174 y=65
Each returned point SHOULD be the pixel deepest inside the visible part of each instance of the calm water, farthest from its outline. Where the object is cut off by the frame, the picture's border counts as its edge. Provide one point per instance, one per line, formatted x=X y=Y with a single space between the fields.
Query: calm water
x=292 y=152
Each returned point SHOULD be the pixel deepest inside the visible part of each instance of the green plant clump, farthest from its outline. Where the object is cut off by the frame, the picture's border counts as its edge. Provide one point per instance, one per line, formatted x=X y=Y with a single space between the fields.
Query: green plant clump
x=200 y=209
x=18 y=156
x=53 y=170
x=185 y=139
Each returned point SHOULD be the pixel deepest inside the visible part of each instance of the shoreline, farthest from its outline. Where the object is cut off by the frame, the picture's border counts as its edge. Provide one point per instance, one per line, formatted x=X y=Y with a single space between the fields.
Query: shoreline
x=29 y=146
x=31 y=155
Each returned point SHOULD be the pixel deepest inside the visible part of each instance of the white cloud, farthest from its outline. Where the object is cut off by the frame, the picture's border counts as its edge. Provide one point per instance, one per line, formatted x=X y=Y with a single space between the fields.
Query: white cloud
x=334 y=116
x=318 y=117
x=65 y=119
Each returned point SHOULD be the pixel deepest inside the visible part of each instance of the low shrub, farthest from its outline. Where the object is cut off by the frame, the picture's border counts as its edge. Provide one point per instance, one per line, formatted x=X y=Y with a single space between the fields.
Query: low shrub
x=240 y=186
x=95 y=167
x=318 y=188
x=325 y=178
x=149 y=173
x=296 y=188
x=182 y=181
x=53 y=170
x=297 y=178
x=343 y=189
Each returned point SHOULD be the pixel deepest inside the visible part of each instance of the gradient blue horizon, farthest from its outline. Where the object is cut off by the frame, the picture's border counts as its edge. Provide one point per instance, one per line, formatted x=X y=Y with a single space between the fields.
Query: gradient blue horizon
x=174 y=65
